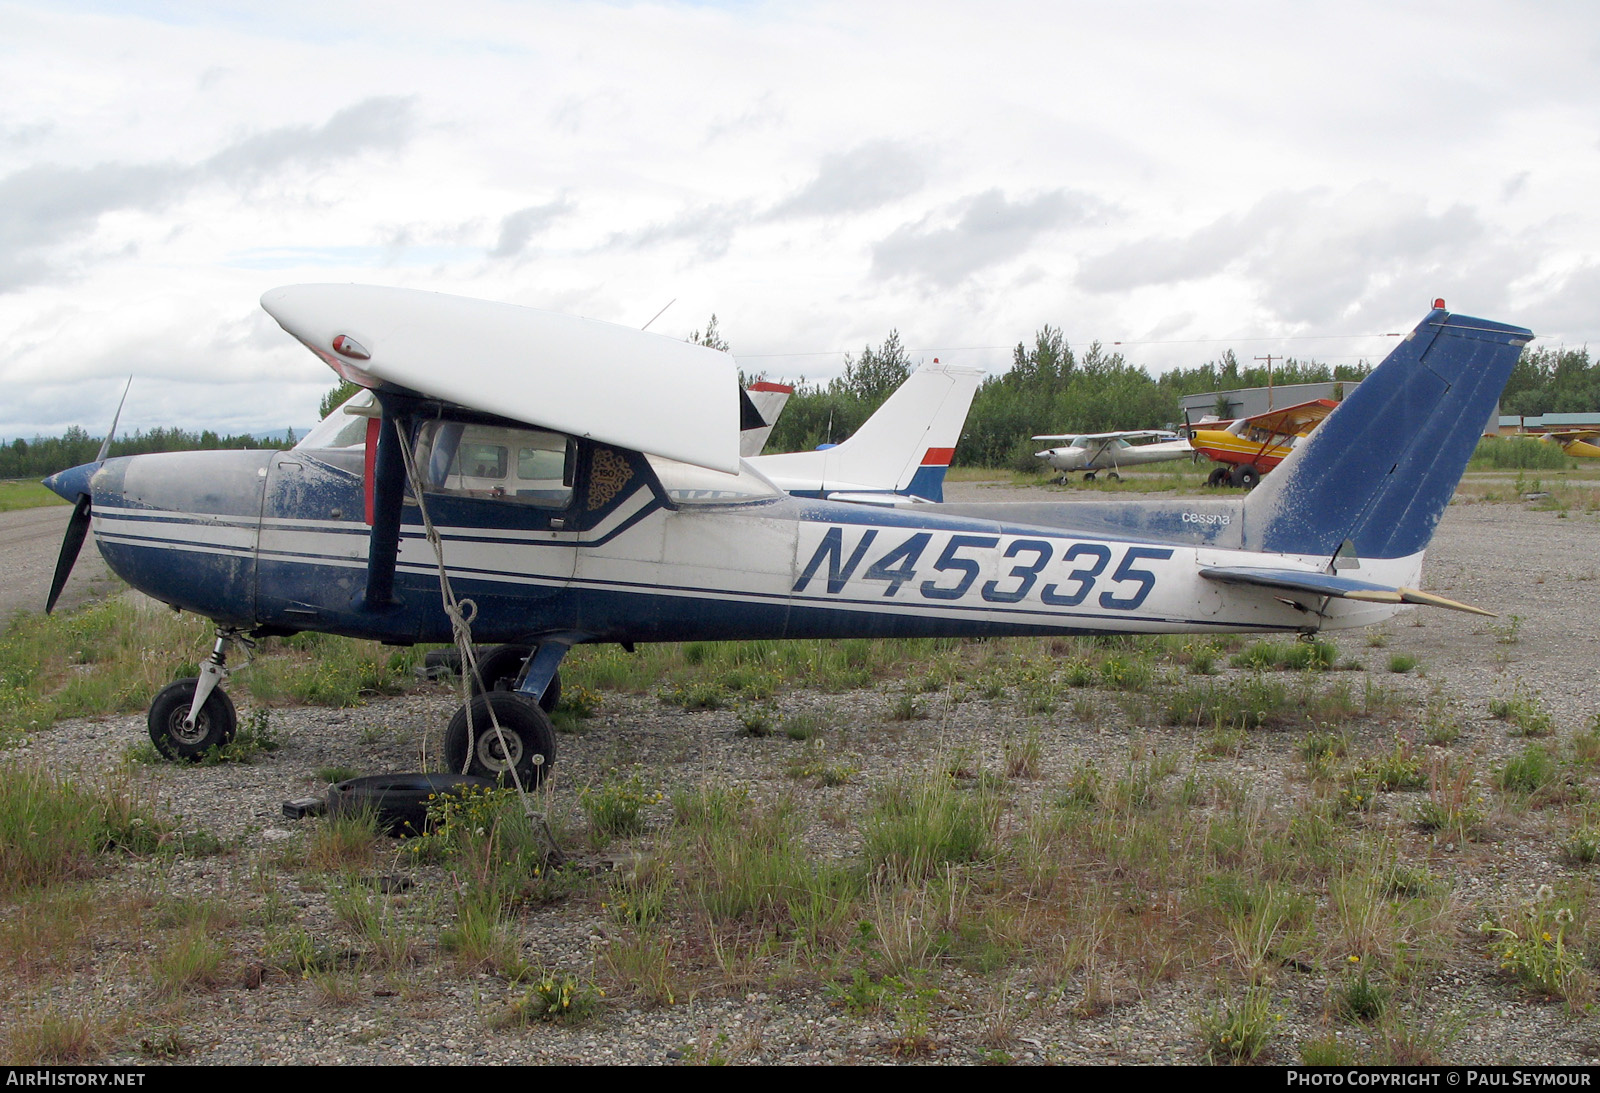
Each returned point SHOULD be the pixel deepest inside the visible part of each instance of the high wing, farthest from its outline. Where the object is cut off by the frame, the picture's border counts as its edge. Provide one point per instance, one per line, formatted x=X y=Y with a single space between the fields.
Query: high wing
x=589 y=379
x=1293 y=420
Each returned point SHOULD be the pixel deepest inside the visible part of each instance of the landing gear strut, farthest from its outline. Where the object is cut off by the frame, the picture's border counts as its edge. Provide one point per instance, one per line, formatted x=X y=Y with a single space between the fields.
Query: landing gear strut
x=192 y=716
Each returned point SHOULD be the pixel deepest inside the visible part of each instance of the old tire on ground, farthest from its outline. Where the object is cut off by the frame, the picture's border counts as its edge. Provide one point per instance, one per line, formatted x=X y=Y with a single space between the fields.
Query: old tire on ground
x=1217 y=477
x=529 y=740
x=501 y=667
x=1246 y=476
x=399 y=801
x=212 y=729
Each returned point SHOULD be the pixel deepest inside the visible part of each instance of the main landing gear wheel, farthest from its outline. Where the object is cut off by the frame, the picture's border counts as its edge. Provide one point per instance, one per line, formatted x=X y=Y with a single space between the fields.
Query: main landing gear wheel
x=1217 y=477
x=501 y=669
x=1114 y=476
x=1088 y=476
x=215 y=726
x=1246 y=476
x=528 y=745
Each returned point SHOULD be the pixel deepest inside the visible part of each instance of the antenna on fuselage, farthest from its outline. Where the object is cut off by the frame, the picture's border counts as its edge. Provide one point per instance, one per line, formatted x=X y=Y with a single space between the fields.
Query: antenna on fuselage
x=105 y=445
x=658 y=314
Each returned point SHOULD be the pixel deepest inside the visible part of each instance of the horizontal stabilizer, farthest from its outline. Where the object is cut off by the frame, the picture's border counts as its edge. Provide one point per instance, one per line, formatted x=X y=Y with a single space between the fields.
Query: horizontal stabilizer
x=1330 y=584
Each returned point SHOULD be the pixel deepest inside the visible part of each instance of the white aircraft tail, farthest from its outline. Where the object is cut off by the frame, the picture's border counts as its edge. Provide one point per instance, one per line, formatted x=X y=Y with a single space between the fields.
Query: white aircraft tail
x=768 y=399
x=904 y=448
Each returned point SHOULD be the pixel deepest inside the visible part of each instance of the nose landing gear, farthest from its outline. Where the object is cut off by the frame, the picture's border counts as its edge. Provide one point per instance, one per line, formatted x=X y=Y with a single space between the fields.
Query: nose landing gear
x=194 y=715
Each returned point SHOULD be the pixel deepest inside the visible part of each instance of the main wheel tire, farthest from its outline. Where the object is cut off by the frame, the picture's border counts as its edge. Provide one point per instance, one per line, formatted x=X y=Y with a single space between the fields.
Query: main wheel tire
x=501 y=668
x=529 y=739
x=1088 y=476
x=1217 y=477
x=1114 y=476
x=215 y=726
x=1246 y=476
x=399 y=801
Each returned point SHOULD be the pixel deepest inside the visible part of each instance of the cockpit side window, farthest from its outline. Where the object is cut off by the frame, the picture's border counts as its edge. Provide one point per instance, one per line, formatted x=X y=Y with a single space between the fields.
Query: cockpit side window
x=522 y=466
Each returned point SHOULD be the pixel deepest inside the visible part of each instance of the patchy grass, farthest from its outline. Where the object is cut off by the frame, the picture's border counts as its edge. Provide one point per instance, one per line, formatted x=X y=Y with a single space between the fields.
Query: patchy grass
x=26 y=494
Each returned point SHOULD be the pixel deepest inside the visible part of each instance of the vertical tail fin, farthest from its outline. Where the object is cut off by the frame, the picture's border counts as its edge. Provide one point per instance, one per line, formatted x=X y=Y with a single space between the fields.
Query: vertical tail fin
x=904 y=447
x=1380 y=470
x=769 y=400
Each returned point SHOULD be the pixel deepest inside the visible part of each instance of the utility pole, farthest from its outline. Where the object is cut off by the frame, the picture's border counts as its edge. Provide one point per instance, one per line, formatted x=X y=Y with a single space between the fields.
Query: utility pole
x=1269 y=358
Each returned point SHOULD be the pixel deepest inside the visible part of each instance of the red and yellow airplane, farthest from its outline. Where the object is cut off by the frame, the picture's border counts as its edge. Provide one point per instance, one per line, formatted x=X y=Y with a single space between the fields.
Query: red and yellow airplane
x=1249 y=447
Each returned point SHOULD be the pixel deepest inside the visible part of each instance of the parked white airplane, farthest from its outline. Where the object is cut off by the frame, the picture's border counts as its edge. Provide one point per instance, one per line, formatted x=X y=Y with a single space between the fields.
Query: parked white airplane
x=1091 y=452
x=902 y=451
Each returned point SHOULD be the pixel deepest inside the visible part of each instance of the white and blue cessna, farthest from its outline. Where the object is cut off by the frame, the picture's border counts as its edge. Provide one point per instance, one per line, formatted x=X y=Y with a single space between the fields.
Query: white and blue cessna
x=586 y=486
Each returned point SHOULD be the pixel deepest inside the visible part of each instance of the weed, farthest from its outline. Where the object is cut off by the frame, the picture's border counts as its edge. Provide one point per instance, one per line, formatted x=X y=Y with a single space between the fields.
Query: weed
x=1398 y=768
x=804 y=726
x=1359 y=998
x=1529 y=772
x=917 y=827
x=1327 y=1051
x=755 y=721
x=813 y=765
x=340 y=842
x=334 y=775
x=554 y=997
x=52 y=1037
x=711 y=808
x=1525 y=712
x=1022 y=757
x=1082 y=790
x=1531 y=945
x=191 y=960
x=1508 y=633
x=1452 y=806
x=616 y=808
x=1237 y=1029
x=906 y=708
x=1401 y=663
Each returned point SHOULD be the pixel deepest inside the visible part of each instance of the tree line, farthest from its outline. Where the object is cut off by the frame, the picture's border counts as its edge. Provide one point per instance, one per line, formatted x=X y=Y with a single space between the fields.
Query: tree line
x=44 y=456
x=1049 y=388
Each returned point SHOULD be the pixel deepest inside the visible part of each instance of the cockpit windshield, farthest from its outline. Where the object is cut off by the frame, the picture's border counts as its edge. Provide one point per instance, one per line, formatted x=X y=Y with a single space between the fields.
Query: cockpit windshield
x=346 y=427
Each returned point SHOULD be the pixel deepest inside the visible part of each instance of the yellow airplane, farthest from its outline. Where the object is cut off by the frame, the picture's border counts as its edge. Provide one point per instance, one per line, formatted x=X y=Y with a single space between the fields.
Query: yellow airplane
x=1249 y=447
x=1576 y=442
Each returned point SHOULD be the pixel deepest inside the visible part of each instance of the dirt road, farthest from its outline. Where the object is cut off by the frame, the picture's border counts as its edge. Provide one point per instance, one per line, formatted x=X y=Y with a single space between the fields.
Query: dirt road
x=30 y=540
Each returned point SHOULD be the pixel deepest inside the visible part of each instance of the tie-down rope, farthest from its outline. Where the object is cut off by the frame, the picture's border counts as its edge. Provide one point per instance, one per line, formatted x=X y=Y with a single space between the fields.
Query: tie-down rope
x=461 y=613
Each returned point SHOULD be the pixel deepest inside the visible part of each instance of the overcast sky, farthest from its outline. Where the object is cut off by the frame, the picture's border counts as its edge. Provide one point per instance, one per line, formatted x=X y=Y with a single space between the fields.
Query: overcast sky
x=1181 y=177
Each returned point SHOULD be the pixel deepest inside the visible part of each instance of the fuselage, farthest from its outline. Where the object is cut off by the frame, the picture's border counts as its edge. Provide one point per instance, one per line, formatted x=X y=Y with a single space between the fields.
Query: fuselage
x=280 y=542
x=1097 y=456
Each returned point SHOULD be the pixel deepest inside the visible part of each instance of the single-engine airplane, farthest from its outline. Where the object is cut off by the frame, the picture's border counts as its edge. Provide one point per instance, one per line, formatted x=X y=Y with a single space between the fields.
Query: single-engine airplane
x=639 y=522
x=1578 y=443
x=1092 y=452
x=1249 y=447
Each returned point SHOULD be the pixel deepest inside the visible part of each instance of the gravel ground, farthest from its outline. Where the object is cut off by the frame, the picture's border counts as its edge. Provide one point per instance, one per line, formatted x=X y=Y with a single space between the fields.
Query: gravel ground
x=1537 y=566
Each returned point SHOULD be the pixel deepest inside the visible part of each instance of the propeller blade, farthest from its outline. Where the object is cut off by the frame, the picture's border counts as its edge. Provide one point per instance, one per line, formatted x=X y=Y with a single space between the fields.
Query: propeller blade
x=71 y=543
x=105 y=445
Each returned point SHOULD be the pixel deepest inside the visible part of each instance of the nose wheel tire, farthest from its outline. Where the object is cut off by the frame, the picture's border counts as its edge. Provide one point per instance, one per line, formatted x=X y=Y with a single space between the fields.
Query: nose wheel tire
x=501 y=669
x=528 y=744
x=213 y=728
